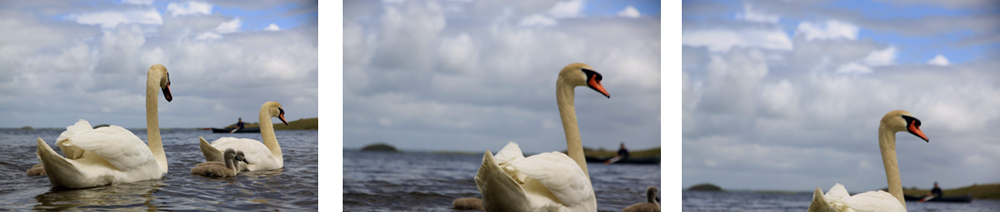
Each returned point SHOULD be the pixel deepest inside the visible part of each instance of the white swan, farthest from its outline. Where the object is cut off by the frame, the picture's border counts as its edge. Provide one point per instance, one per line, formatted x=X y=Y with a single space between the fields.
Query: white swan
x=261 y=156
x=106 y=155
x=549 y=181
x=651 y=205
x=837 y=198
x=217 y=169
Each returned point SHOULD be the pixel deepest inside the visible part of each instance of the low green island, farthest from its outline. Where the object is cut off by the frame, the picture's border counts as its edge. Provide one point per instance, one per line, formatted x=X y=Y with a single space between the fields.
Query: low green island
x=705 y=187
x=379 y=147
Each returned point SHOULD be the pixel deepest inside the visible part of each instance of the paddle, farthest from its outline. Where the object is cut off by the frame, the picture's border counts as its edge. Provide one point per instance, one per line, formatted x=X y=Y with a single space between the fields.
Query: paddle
x=613 y=160
x=927 y=198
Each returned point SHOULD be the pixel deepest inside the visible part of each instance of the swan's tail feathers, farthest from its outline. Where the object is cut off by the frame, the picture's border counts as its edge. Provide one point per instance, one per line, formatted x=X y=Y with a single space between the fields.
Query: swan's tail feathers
x=57 y=168
x=210 y=152
x=819 y=203
x=500 y=191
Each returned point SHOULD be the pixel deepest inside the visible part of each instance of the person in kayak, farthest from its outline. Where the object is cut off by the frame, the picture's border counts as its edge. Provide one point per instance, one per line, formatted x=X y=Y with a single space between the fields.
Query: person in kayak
x=622 y=152
x=239 y=126
x=936 y=191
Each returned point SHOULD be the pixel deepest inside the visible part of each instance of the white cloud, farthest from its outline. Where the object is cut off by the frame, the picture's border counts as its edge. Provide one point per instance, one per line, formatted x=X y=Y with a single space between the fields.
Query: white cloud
x=229 y=27
x=718 y=40
x=629 y=12
x=538 y=20
x=272 y=27
x=189 y=8
x=145 y=2
x=459 y=54
x=938 y=60
x=882 y=57
x=110 y=19
x=567 y=9
x=755 y=16
x=831 y=29
x=854 y=68
x=732 y=79
x=779 y=99
x=208 y=36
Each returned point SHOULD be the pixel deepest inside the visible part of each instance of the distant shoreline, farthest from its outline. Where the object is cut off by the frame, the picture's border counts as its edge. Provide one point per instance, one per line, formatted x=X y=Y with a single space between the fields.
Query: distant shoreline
x=301 y=124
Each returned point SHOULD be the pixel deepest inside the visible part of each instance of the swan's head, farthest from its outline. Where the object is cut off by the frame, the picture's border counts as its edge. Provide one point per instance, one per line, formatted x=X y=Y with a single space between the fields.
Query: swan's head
x=579 y=74
x=275 y=110
x=899 y=120
x=241 y=157
x=164 y=82
x=231 y=154
x=651 y=195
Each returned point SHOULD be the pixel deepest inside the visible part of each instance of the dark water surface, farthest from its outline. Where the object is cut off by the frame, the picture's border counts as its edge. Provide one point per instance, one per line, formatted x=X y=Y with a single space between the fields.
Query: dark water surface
x=421 y=181
x=757 y=201
x=294 y=188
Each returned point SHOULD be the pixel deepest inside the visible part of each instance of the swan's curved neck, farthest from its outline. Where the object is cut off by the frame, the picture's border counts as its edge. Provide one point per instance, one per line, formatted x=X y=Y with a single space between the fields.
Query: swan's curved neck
x=887 y=143
x=567 y=111
x=230 y=163
x=267 y=133
x=152 y=121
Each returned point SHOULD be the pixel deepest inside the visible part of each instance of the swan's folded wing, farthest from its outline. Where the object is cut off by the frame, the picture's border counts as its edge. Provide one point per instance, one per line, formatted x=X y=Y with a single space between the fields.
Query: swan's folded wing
x=509 y=153
x=561 y=175
x=66 y=145
x=210 y=152
x=500 y=191
x=117 y=145
x=255 y=151
x=874 y=201
x=819 y=203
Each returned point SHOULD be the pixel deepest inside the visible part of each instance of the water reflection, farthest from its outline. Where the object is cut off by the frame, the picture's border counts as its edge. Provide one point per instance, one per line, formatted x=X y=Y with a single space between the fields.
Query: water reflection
x=125 y=195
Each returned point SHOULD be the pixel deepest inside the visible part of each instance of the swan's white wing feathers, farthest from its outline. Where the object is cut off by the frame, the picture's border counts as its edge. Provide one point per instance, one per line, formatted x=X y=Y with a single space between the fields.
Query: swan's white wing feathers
x=68 y=148
x=874 y=201
x=561 y=176
x=838 y=199
x=210 y=152
x=255 y=152
x=117 y=145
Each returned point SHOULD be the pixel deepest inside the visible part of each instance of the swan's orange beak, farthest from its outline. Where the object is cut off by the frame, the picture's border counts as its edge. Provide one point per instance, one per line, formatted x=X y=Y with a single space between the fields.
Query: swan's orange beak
x=915 y=129
x=166 y=92
x=596 y=85
x=282 y=116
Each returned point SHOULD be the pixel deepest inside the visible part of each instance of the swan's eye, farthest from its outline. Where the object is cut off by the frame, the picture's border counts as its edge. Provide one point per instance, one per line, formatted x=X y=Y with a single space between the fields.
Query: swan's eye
x=911 y=121
x=591 y=74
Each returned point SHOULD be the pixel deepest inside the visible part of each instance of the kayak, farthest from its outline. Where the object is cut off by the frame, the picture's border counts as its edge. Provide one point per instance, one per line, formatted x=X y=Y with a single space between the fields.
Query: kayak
x=630 y=160
x=244 y=130
x=957 y=198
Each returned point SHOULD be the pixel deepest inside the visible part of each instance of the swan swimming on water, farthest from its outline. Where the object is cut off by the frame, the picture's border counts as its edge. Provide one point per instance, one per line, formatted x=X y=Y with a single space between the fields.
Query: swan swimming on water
x=550 y=181
x=107 y=155
x=217 y=169
x=837 y=198
x=261 y=156
x=651 y=205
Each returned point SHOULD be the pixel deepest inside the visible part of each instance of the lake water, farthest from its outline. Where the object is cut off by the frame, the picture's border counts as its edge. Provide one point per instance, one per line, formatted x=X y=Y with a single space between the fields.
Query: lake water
x=294 y=188
x=422 y=181
x=756 y=201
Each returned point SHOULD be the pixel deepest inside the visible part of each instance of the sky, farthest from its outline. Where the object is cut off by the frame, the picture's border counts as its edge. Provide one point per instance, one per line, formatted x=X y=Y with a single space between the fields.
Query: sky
x=61 y=61
x=787 y=95
x=474 y=75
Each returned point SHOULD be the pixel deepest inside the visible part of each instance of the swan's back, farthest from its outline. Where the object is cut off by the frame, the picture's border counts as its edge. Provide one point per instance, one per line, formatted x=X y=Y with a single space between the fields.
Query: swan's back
x=548 y=181
x=837 y=199
x=257 y=154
